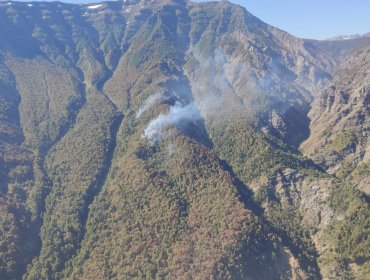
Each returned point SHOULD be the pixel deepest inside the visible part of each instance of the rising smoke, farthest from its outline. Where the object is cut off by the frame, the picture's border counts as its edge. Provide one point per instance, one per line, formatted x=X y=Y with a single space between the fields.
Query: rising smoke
x=223 y=90
x=178 y=114
x=148 y=103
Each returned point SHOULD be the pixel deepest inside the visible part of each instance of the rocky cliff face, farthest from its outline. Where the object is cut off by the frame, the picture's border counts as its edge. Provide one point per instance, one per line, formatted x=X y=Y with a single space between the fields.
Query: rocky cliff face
x=160 y=139
x=339 y=126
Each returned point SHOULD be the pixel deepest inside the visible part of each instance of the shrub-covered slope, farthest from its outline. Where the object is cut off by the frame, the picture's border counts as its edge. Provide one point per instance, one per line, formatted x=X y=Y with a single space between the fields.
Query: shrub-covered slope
x=160 y=140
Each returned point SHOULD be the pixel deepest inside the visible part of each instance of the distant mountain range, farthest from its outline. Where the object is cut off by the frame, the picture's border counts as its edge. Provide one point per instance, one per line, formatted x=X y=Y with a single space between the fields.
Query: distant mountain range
x=166 y=139
x=348 y=37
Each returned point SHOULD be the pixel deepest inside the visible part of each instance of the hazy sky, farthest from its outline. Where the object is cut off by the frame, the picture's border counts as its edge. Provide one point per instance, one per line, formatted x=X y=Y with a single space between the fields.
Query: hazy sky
x=319 y=19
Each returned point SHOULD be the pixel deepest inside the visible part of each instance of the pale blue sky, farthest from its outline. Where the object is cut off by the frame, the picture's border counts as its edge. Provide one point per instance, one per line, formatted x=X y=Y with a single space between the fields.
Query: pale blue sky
x=318 y=19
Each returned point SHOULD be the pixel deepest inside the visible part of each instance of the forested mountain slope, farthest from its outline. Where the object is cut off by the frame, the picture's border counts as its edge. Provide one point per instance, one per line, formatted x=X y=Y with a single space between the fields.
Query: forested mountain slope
x=162 y=140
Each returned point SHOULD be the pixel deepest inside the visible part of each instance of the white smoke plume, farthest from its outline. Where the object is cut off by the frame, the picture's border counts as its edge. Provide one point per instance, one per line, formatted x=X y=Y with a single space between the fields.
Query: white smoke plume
x=178 y=114
x=214 y=93
x=148 y=103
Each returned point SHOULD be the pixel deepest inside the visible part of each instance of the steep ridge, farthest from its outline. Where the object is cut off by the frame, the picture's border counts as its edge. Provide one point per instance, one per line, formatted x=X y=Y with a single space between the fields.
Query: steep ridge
x=159 y=139
x=340 y=48
x=50 y=112
x=340 y=143
x=19 y=242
